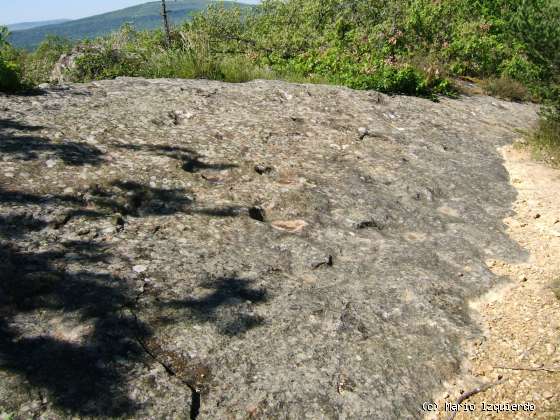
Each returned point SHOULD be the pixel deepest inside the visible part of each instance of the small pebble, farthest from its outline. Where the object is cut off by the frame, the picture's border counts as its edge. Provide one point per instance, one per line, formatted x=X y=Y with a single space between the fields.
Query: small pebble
x=547 y=395
x=362 y=131
x=139 y=268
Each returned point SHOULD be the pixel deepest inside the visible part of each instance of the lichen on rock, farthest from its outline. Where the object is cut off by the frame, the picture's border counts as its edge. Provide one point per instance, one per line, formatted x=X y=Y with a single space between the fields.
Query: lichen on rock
x=196 y=248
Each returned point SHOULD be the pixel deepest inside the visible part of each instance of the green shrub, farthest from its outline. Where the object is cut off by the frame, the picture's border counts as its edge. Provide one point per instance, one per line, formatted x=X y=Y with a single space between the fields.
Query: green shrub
x=545 y=140
x=106 y=63
x=414 y=47
x=375 y=44
x=6 y=416
x=241 y=69
x=10 y=72
x=519 y=68
x=10 y=78
x=38 y=65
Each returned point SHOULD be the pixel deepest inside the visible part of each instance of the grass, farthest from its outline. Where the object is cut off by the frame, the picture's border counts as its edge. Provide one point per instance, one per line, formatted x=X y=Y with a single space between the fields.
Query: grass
x=545 y=141
x=506 y=88
x=182 y=63
x=240 y=69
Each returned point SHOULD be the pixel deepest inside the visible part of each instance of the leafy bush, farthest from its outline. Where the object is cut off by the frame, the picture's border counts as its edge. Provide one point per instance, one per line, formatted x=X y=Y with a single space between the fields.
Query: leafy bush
x=38 y=65
x=378 y=44
x=10 y=72
x=414 y=47
x=10 y=80
x=106 y=63
x=545 y=141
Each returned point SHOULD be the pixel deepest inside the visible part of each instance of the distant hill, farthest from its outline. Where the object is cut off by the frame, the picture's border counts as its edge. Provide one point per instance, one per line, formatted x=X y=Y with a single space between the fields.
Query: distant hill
x=143 y=16
x=30 y=25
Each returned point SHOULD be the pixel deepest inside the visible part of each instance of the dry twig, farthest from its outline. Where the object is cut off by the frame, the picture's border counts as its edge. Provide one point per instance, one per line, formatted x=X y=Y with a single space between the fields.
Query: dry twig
x=466 y=395
x=541 y=369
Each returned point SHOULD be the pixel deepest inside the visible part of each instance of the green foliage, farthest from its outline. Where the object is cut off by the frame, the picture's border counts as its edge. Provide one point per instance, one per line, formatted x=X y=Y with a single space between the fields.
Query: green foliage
x=241 y=69
x=9 y=76
x=414 y=47
x=545 y=140
x=38 y=65
x=6 y=416
x=378 y=44
x=10 y=72
x=105 y=63
x=3 y=36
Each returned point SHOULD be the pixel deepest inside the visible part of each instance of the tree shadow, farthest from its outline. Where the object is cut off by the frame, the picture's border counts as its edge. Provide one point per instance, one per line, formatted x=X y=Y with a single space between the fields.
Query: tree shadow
x=190 y=159
x=119 y=197
x=228 y=305
x=194 y=165
x=33 y=148
x=17 y=197
x=63 y=317
x=16 y=125
x=17 y=225
x=139 y=200
x=77 y=370
x=136 y=199
x=28 y=147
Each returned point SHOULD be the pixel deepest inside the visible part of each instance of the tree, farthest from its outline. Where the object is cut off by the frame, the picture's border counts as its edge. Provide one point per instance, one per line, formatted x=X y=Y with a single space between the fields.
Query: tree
x=165 y=17
x=3 y=36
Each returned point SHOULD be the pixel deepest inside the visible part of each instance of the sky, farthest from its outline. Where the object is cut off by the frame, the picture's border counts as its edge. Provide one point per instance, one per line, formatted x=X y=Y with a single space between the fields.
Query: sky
x=17 y=11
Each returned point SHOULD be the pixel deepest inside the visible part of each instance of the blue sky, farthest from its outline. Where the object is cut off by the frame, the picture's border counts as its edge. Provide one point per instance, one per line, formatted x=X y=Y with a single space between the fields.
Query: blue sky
x=16 y=11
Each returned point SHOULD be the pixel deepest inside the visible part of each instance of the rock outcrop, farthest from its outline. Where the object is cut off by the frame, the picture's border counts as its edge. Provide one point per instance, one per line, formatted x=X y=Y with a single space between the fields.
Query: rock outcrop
x=195 y=249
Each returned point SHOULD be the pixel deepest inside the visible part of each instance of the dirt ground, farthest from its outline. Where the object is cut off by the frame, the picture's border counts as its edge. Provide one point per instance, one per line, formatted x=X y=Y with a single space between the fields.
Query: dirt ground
x=519 y=355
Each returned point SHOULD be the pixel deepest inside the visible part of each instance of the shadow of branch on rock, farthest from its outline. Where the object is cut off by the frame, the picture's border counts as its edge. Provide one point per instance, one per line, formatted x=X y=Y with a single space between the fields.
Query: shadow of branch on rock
x=228 y=305
x=33 y=148
x=15 y=141
x=17 y=197
x=190 y=159
x=139 y=200
x=17 y=125
x=18 y=224
x=72 y=357
x=65 y=327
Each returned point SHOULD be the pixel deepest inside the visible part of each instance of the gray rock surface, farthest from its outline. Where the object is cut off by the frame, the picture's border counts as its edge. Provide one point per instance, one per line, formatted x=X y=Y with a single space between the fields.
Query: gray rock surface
x=63 y=68
x=195 y=249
